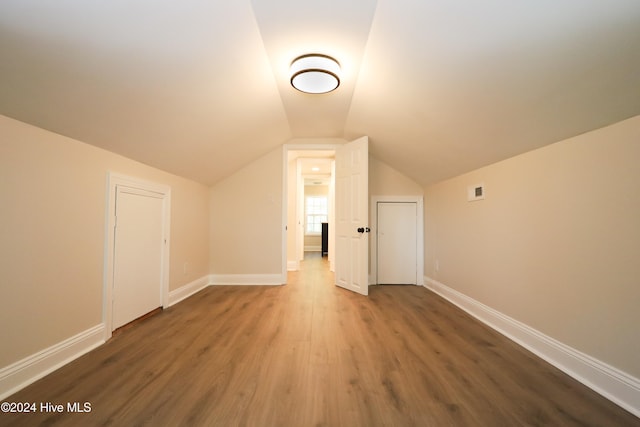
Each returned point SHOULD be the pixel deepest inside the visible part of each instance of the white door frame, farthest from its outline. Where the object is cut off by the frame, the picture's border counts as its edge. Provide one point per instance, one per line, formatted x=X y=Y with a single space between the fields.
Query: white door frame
x=113 y=181
x=285 y=195
x=299 y=214
x=419 y=201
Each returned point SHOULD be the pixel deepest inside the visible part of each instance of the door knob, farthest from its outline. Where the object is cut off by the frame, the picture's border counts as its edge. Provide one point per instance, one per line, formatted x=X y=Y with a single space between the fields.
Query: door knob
x=360 y=229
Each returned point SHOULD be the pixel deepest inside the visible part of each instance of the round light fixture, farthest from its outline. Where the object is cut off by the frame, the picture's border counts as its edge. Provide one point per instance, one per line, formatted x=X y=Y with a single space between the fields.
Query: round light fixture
x=315 y=73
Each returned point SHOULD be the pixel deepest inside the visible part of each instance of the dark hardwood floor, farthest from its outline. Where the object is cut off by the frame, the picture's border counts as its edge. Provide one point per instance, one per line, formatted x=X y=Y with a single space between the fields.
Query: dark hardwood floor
x=312 y=354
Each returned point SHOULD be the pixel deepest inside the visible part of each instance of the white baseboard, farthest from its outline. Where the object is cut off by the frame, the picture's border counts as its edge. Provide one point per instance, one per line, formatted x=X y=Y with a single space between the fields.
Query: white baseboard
x=293 y=265
x=617 y=386
x=247 y=279
x=312 y=248
x=183 y=292
x=30 y=369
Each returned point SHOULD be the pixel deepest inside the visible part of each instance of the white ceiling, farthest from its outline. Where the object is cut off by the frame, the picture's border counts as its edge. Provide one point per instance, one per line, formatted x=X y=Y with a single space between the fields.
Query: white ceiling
x=200 y=87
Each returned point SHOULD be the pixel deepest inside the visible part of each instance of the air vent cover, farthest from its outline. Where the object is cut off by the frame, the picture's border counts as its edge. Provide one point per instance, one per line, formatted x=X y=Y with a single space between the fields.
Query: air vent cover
x=475 y=192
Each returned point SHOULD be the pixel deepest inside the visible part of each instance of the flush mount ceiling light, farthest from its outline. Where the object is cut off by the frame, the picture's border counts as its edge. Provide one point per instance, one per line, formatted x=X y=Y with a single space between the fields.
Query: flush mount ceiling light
x=315 y=73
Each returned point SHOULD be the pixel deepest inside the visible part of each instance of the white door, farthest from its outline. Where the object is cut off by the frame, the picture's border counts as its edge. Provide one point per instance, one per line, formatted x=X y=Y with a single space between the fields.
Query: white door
x=352 y=216
x=138 y=241
x=397 y=243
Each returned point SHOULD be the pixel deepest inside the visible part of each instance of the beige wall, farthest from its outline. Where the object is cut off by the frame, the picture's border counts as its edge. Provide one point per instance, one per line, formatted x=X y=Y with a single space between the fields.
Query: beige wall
x=387 y=181
x=313 y=242
x=555 y=244
x=246 y=213
x=189 y=232
x=52 y=224
x=246 y=219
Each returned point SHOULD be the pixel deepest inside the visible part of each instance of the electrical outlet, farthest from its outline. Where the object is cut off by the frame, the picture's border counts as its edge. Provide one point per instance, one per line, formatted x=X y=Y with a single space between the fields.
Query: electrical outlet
x=437 y=265
x=185 y=268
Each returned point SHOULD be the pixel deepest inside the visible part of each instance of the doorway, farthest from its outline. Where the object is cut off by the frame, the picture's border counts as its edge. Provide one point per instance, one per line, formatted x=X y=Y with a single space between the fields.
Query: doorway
x=309 y=185
x=137 y=250
x=348 y=239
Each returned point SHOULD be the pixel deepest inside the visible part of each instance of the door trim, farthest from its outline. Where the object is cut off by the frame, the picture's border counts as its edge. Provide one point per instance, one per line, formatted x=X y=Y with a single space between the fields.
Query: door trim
x=419 y=201
x=114 y=180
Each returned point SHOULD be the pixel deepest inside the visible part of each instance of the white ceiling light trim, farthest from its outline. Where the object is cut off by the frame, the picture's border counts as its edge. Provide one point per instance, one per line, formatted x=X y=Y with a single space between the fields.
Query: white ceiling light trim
x=315 y=73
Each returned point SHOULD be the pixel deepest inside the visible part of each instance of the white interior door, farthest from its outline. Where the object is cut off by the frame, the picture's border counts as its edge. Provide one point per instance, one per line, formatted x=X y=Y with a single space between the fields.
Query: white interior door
x=397 y=243
x=352 y=216
x=137 y=275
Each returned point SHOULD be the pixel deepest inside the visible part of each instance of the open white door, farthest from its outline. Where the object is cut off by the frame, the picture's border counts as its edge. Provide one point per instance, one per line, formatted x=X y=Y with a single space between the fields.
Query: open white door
x=352 y=216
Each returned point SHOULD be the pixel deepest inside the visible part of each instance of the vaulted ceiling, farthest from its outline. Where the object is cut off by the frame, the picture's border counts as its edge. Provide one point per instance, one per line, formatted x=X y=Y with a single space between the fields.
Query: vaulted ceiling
x=201 y=87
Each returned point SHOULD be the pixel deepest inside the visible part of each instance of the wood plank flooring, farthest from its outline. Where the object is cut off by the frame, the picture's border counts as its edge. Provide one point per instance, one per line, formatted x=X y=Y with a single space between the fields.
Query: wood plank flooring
x=312 y=354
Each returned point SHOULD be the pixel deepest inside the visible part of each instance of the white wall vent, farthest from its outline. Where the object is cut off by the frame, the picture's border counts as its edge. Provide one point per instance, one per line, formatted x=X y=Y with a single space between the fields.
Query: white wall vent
x=475 y=192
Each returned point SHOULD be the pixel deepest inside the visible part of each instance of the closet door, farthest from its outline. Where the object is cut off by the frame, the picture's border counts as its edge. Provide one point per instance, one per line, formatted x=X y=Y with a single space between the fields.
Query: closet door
x=138 y=243
x=397 y=243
